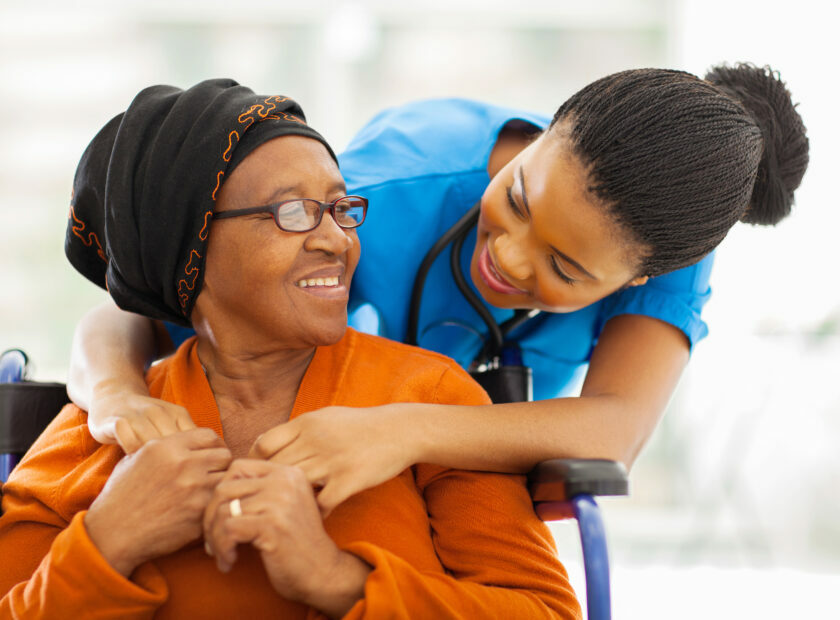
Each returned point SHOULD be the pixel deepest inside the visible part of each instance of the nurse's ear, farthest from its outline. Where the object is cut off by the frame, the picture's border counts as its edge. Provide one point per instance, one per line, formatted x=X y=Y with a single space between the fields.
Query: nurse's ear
x=638 y=281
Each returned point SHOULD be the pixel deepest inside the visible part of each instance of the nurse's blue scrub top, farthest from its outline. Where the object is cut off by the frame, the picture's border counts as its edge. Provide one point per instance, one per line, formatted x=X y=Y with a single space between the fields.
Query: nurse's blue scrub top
x=422 y=166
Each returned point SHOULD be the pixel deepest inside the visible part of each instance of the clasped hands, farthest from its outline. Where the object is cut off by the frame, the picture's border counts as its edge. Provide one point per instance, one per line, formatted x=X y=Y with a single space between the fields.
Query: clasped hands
x=341 y=450
x=176 y=488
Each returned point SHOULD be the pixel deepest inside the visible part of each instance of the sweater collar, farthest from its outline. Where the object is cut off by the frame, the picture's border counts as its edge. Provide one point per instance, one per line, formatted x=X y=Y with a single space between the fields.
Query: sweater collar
x=185 y=383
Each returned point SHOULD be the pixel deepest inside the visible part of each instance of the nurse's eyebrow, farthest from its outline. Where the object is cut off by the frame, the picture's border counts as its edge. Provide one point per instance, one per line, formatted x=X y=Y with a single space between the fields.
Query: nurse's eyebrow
x=573 y=263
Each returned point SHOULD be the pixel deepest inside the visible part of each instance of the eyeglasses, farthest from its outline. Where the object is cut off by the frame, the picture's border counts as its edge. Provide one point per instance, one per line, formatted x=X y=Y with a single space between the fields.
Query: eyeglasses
x=304 y=214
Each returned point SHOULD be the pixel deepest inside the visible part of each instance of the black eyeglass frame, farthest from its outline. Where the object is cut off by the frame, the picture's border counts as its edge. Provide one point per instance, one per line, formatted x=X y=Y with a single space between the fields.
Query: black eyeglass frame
x=274 y=209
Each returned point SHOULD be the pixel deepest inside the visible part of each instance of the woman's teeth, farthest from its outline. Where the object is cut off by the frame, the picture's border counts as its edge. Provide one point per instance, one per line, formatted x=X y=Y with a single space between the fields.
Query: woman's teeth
x=333 y=281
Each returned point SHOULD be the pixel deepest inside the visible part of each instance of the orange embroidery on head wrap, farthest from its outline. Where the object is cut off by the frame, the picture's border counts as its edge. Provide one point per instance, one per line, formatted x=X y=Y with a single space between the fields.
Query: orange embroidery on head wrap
x=219 y=176
x=91 y=238
x=185 y=285
x=245 y=116
x=203 y=233
x=291 y=117
x=229 y=149
x=258 y=111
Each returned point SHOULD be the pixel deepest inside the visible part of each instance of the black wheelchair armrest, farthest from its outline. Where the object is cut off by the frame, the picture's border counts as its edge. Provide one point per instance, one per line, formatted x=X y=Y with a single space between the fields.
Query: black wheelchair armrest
x=26 y=408
x=559 y=480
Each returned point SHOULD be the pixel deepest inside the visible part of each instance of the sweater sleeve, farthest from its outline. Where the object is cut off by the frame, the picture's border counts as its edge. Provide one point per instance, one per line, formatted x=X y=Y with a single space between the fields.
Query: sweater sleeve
x=50 y=567
x=499 y=558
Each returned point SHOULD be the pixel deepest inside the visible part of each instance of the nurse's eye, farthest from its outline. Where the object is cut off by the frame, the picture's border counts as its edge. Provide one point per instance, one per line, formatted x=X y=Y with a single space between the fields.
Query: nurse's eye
x=513 y=206
x=556 y=267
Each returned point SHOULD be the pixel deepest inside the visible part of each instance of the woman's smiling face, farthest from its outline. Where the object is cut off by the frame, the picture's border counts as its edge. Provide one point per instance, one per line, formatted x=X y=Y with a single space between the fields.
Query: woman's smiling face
x=271 y=287
x=543 y=241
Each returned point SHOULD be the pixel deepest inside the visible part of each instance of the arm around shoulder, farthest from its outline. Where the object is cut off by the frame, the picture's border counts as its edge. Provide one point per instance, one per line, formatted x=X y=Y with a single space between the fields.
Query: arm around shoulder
x=109 y=346
x=111 y=350
x=634 y=370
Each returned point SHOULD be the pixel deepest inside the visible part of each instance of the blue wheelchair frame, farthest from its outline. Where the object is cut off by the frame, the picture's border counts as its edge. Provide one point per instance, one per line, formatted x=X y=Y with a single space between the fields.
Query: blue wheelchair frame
x=560 y=488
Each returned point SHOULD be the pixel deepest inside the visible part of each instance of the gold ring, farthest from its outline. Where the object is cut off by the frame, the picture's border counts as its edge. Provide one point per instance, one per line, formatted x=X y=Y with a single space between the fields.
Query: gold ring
x=235 y=508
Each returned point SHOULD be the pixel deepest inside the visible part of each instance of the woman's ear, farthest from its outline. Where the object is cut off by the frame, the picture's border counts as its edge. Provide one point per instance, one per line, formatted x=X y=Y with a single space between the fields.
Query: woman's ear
x=638 y=281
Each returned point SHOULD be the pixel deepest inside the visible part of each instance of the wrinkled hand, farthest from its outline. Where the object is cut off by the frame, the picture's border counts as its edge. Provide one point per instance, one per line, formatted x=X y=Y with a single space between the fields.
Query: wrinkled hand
x=342 y=450
x=131 y=419
x=154 y=500
x=281 y=520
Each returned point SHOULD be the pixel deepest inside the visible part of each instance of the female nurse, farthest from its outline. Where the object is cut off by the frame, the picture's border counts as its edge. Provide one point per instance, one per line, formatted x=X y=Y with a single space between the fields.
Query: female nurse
x=602 y=218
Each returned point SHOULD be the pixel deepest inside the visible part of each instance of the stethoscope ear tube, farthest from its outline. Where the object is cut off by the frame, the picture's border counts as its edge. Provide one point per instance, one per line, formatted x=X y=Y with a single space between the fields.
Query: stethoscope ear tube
x=494 y=346
x=461 y=227
x=498 y=367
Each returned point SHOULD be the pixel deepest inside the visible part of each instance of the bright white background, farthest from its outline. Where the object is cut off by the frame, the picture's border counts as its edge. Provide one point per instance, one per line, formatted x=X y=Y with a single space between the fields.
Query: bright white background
x=735 y=509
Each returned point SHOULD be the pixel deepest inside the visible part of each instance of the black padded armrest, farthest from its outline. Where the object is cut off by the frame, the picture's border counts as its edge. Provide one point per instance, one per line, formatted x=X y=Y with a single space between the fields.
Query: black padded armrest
x=26 y=408
x=558 y=480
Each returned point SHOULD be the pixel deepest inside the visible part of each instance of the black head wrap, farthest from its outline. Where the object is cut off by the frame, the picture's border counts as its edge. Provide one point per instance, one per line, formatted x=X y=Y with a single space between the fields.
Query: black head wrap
x=147 y=184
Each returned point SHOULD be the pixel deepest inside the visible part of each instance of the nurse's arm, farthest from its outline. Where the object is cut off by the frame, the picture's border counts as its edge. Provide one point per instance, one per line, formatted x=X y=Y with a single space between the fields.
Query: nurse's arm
x=111 y=351
x=634 y=370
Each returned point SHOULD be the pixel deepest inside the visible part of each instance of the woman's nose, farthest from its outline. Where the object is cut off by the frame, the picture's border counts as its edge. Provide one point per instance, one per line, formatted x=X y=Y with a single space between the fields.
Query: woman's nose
x=512 y=258
x=329 y=237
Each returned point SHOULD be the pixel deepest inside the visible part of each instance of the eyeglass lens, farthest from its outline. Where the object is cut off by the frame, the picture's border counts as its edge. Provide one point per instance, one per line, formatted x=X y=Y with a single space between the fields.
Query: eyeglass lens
x=305 y=214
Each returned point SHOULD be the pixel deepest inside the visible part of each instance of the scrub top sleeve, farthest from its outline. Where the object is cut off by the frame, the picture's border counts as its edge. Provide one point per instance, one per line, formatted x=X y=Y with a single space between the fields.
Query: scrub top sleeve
x=178 y=334
x=676 y=298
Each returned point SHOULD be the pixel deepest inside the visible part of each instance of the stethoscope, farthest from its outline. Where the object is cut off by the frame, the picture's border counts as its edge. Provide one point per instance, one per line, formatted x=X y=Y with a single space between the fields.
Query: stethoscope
x=498 y=366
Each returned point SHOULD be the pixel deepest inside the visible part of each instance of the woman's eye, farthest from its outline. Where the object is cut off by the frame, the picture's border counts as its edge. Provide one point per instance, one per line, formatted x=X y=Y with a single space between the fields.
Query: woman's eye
x=514 y=207
x=556 y=267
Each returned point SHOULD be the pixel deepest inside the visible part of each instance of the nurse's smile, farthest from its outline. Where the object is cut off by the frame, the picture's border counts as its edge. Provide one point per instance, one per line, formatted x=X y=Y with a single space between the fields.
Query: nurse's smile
x=491 y=274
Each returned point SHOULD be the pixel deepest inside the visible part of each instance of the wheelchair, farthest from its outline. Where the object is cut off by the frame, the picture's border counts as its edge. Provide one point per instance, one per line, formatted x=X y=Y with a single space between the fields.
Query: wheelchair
x=559 y=488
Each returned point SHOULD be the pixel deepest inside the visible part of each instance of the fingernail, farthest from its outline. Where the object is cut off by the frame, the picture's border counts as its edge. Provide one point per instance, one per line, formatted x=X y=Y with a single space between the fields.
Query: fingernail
x=208 y=549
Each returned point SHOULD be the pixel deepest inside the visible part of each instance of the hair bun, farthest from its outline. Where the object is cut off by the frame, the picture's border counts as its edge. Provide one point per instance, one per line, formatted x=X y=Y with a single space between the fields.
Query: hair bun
x=761 y=91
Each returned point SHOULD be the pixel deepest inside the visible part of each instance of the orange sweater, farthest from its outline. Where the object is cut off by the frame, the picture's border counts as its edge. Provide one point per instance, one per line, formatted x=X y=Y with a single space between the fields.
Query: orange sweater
x=442 y=543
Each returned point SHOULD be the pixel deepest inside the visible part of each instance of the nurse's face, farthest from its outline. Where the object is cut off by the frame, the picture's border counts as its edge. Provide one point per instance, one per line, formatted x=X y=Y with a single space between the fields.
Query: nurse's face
x=543 y=240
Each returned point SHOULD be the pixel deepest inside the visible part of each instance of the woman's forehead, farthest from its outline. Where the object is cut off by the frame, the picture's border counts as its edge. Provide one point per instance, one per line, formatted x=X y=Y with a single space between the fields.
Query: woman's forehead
x=290 y=166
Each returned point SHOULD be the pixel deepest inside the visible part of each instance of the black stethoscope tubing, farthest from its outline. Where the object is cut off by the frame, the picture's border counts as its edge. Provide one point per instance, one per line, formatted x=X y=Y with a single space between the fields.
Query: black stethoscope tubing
x=456 y=235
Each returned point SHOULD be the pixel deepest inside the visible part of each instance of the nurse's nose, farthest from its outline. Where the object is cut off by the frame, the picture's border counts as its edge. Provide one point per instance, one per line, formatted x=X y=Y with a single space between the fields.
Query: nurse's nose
x=513 y=260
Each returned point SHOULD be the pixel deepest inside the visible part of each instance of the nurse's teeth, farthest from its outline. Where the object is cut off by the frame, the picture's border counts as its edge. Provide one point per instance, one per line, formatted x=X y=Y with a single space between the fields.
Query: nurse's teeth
x=333 y=281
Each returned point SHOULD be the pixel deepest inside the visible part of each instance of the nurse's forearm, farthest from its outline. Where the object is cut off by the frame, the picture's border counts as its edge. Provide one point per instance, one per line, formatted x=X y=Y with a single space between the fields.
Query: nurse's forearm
x=515 y=437
x=634 y=370
x=111 y=349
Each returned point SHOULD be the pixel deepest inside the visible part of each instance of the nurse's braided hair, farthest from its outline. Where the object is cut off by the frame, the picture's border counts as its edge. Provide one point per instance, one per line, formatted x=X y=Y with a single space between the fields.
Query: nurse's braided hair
x=678 y=160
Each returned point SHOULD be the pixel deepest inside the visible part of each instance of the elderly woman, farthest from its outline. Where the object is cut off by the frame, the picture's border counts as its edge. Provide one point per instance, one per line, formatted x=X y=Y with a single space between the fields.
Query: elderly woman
x=225 y=207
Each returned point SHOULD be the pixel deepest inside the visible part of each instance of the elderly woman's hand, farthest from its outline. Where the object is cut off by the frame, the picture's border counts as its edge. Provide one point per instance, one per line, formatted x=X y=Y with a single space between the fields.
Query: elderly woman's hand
x=344 y=450
x=155 y=498
x=117 y=415
x=276 y=513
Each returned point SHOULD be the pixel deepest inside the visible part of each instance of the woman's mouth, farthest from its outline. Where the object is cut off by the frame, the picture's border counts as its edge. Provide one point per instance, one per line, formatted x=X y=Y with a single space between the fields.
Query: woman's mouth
x=330 y=286
x=491 y=276
x=311 y=282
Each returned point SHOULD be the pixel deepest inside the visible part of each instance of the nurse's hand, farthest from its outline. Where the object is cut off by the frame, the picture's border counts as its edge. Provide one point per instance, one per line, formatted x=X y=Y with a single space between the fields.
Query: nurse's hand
x=118 y=415
x=343 y=450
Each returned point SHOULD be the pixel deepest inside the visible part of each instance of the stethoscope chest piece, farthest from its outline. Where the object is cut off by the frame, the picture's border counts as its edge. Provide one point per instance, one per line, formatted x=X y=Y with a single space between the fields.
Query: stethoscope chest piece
x=505 y=379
